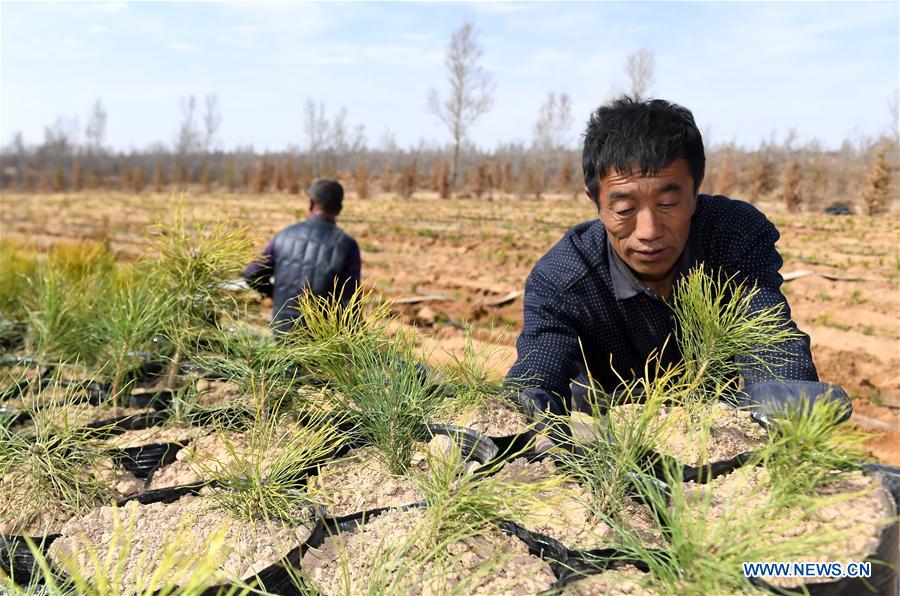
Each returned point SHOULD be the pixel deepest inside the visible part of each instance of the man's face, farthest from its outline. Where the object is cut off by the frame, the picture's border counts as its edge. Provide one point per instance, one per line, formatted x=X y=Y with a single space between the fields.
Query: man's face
x=648 y=219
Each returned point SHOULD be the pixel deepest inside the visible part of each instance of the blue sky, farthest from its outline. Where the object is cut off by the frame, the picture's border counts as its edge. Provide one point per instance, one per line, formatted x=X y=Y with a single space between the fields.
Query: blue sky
x=827 y=70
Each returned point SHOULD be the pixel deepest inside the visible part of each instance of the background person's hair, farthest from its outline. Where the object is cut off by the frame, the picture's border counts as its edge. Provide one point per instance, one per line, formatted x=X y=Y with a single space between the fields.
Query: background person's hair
x=327 y=194
x=633 y=136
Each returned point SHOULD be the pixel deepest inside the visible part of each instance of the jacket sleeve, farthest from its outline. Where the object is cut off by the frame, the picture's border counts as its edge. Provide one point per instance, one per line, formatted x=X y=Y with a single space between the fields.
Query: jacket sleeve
x=258 y=274
x=760 y=264
x=548 y=350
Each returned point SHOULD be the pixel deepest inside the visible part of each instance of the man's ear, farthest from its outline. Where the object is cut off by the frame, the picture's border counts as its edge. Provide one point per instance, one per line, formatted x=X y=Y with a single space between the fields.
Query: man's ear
x=312 y=205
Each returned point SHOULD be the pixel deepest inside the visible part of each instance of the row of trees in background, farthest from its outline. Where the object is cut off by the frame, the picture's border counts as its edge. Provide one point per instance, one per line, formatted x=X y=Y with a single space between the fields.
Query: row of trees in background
x=799 y=176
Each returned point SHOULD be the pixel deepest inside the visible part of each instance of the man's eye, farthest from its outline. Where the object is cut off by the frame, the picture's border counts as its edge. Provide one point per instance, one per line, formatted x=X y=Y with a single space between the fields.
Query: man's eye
x=624 y=212
x=666 y=206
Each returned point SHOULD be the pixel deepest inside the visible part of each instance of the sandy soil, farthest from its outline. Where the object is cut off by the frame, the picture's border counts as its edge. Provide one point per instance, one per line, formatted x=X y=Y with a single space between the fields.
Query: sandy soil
x=30 y=508
x=156 y=434
x=565 y=514
x=362 y=480
x=732 y=433
x=189 y=523
x=857 y=508
x=515 y=572
x=623 y=580
x=494 y=419
x=213 y=453
x=470 y=255
x=76 y=415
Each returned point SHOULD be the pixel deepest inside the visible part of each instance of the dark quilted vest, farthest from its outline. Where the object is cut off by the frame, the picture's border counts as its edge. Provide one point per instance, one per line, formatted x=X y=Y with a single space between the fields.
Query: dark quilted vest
x=309 y=255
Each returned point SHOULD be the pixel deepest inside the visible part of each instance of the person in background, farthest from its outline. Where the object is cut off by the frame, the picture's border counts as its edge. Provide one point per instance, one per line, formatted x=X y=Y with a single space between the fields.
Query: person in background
x=608 y=283
x=313 y=255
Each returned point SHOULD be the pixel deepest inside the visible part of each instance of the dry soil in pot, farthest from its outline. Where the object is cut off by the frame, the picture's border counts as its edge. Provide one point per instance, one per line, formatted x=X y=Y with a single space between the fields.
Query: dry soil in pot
x=156 y=434
x=853 y=524
x=21 y=513
x=620 y=581
x=362 y=481
x=251 y=548
x=208 y=451
x=494 y=418
x=566 y=516
x=84 y=414
x=733 y=432
x=521 y=573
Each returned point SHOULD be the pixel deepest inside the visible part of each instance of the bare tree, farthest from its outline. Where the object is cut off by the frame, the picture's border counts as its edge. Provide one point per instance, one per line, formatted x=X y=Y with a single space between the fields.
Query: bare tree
x=639 y=67
x=212 y=120
x=60 y=139
x=95 y=132
x=894 y=111
x=315 y=126
x=471 y=88
x=554 y=123
x=188 y=137
x=551 y=132
x=387 y=142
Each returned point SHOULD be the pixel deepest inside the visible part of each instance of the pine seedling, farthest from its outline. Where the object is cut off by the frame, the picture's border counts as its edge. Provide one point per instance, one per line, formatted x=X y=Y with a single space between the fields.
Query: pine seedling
x=335 y=330
x=459 y=510
x=126 y=318
x=704 y=552
x=809 y=446
x=387 y=395
x=58 y=309
x=194 y=263
x=53 y=464
x=605 y=462
x=265 y=480
x=720 y=333
x=251 y=358
x=468 y=379
x=460 y=503
x=17 y=265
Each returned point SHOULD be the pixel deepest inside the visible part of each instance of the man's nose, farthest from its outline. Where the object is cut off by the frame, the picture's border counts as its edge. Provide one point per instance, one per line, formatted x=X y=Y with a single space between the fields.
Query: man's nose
x=648 y=226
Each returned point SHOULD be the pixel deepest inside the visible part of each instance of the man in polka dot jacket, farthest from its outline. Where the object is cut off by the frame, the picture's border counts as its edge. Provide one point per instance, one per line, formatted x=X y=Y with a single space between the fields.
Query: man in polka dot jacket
x=607 y=281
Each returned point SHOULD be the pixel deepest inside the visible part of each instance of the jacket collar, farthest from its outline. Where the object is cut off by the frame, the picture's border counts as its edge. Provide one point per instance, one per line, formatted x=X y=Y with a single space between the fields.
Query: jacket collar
x=626 y=285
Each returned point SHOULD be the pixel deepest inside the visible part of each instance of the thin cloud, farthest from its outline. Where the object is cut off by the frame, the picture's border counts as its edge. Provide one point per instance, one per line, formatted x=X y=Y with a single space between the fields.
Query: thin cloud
x=98 y=29
x=108 y=6
x=184 y=47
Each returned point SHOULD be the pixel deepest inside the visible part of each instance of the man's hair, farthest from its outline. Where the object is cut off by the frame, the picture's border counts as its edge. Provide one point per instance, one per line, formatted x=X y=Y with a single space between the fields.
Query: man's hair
x=327 y=194
x=632 y=136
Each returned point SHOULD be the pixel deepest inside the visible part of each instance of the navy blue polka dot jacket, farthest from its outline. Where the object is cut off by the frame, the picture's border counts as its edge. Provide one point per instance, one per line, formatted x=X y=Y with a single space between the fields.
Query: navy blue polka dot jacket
x=577 y=290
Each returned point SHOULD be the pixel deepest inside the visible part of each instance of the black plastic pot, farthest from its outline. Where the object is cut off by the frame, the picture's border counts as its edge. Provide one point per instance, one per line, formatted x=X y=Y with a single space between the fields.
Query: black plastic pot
x=544 y=547
x=891 y=477
x=474 y=445
x=158 y=400
x=884 y=580
x=119 y=424
x=510 y=446
x=12 y=334
x=93 y=392
x=597 y=562
x=274 y=579
x=101 y=428
x=702 y=474
x=142 y=460
x=17 y=559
